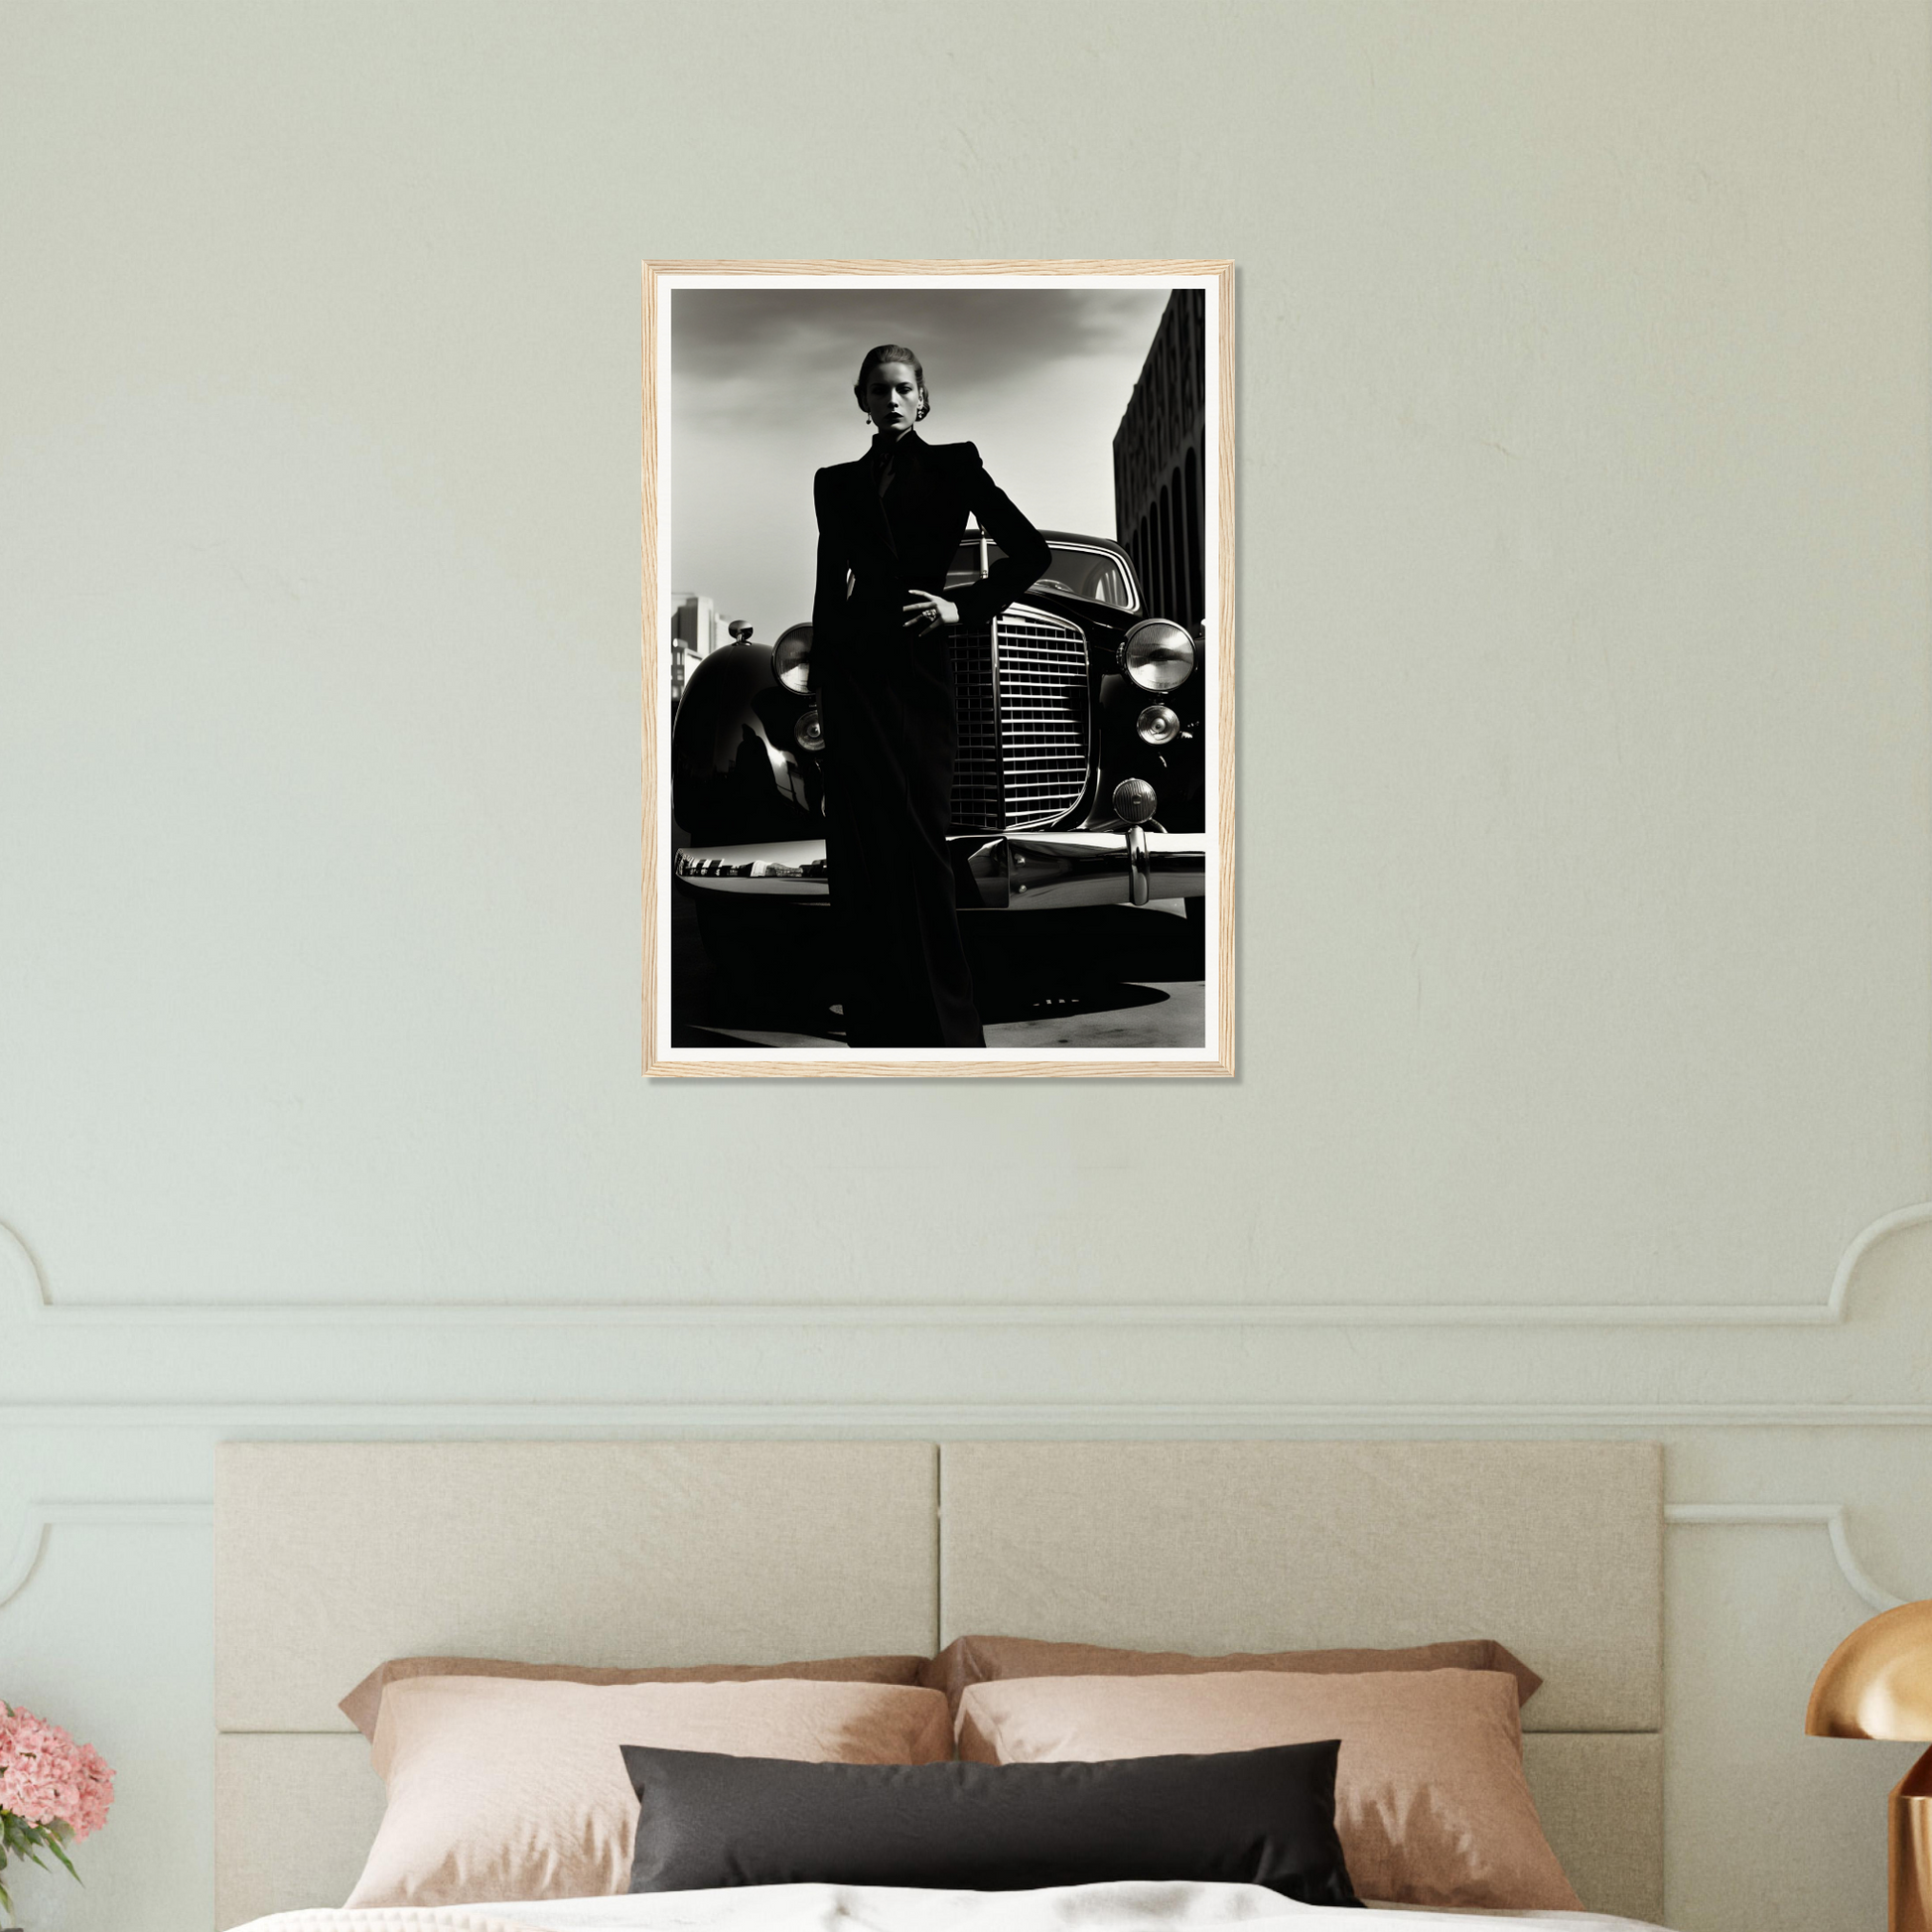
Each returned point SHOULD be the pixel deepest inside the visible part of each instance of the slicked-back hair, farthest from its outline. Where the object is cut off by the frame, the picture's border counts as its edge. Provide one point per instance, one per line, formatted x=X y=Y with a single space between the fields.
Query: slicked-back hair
x=893 y=352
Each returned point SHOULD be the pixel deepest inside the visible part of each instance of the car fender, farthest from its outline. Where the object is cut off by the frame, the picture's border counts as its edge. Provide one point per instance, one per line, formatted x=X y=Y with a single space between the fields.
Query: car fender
x=738 y=774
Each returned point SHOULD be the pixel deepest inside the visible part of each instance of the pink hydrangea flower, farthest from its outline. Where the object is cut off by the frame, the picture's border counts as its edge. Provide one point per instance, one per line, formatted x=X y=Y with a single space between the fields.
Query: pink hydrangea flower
x=47 y=1779
x=51 y=1790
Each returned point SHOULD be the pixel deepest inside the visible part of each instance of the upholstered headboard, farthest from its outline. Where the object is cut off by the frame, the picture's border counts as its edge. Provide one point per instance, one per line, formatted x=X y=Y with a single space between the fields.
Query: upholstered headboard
x=331 y=1557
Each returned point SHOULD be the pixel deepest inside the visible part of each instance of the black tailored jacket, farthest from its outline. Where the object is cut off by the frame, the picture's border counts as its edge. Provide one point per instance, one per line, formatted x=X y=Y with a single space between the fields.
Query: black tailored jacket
x=936 y=488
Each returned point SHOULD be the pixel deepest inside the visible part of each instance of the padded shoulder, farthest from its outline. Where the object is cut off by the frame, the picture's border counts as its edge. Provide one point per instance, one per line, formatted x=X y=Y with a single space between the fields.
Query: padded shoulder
x=834 y=477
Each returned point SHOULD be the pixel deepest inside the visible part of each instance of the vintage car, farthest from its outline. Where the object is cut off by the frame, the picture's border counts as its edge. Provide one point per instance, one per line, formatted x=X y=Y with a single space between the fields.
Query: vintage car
x=1080 y=779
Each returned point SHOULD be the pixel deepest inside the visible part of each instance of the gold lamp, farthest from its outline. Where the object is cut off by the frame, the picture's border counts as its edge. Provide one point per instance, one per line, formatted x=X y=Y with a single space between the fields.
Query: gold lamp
x=1878 y=1684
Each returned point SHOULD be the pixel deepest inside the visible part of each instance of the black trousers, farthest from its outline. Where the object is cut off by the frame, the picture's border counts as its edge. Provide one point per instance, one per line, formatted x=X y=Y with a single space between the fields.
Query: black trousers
x=887 y=703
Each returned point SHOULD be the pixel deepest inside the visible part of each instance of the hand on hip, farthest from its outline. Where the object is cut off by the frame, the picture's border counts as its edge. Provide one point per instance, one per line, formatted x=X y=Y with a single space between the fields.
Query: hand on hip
x=925 y=613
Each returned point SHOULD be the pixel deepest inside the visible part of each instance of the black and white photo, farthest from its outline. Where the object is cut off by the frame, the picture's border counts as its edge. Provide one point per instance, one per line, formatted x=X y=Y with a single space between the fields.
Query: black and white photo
x=936 y=669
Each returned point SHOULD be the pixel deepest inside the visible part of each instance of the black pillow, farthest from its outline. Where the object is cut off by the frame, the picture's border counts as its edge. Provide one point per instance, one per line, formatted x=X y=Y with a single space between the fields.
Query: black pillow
x=1260 y=1818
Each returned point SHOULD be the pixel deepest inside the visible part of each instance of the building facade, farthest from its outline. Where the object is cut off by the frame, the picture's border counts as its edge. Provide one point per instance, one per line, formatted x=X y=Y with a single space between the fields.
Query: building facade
x=697 y=629
x=1160 y=449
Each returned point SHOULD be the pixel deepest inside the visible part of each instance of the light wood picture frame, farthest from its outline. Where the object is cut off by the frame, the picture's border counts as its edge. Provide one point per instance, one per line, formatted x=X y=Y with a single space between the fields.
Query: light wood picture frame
x=1059 y=716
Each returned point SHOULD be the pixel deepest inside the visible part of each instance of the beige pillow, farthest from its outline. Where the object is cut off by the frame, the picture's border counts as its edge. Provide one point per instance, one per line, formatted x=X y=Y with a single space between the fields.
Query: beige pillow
x=505 y=1788
x=360 y=1706
x=981 y=1660
x=1431 y=1802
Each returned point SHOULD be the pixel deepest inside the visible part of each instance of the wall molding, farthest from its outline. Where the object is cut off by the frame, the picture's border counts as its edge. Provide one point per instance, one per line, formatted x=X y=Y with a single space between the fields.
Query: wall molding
x=23 y=1291
x=960 y=1419
x=41 y=1517
x=1830 y=1515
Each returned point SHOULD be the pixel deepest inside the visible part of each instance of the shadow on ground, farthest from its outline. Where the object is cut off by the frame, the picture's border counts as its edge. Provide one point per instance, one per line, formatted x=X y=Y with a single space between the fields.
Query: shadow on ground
x=1104 y=979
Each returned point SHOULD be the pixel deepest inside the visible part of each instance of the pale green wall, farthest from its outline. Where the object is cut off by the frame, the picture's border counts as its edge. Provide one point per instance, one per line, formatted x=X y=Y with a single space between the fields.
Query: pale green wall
x=1585 y=944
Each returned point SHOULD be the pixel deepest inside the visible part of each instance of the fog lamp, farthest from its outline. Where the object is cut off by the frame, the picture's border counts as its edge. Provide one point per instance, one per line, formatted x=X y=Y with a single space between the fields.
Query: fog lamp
x=1134 y=800
x=1158 y=725
x=810 y=732
x=1158 y=655
x=792 y=658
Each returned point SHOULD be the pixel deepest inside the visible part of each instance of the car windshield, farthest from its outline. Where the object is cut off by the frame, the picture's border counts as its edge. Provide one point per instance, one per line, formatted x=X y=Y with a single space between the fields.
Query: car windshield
x=1096 y=575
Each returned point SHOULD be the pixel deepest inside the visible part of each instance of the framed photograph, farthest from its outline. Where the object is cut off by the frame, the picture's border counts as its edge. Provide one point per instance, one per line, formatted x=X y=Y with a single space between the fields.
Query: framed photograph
x=938 y=696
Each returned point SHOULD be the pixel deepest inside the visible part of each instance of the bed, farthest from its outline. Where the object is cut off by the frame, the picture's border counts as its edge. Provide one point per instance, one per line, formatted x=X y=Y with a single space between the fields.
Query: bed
x=331 y=1557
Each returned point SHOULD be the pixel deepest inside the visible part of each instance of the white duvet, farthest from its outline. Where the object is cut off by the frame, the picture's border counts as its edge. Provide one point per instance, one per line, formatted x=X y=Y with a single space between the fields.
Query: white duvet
x=1133 y=1905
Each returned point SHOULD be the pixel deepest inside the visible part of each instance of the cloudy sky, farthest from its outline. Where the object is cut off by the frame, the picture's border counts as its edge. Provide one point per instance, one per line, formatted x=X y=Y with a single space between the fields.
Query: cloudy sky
x=762 y=396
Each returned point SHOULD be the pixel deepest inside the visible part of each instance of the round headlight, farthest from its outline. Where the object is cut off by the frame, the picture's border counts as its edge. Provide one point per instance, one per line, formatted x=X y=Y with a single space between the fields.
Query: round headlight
x=792 y=658
x=810 y=732
x=1158 y=725
x=1134 y=800
x=1158 y=655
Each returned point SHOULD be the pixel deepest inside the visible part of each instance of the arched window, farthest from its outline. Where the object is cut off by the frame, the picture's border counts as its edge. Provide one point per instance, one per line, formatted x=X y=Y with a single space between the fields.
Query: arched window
x=1196 y=580
x=1167 y=553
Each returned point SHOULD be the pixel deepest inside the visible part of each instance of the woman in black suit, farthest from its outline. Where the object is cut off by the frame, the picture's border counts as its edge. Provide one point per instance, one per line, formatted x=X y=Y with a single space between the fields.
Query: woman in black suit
x=888 y=528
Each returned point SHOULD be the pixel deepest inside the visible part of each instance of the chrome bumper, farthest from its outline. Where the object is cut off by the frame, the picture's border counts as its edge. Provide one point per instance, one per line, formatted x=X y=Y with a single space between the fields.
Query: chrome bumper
x=1012 y=873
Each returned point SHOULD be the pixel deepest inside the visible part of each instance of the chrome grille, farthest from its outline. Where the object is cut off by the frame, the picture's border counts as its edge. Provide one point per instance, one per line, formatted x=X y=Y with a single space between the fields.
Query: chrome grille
x=976 y=805
x=1022 y=695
